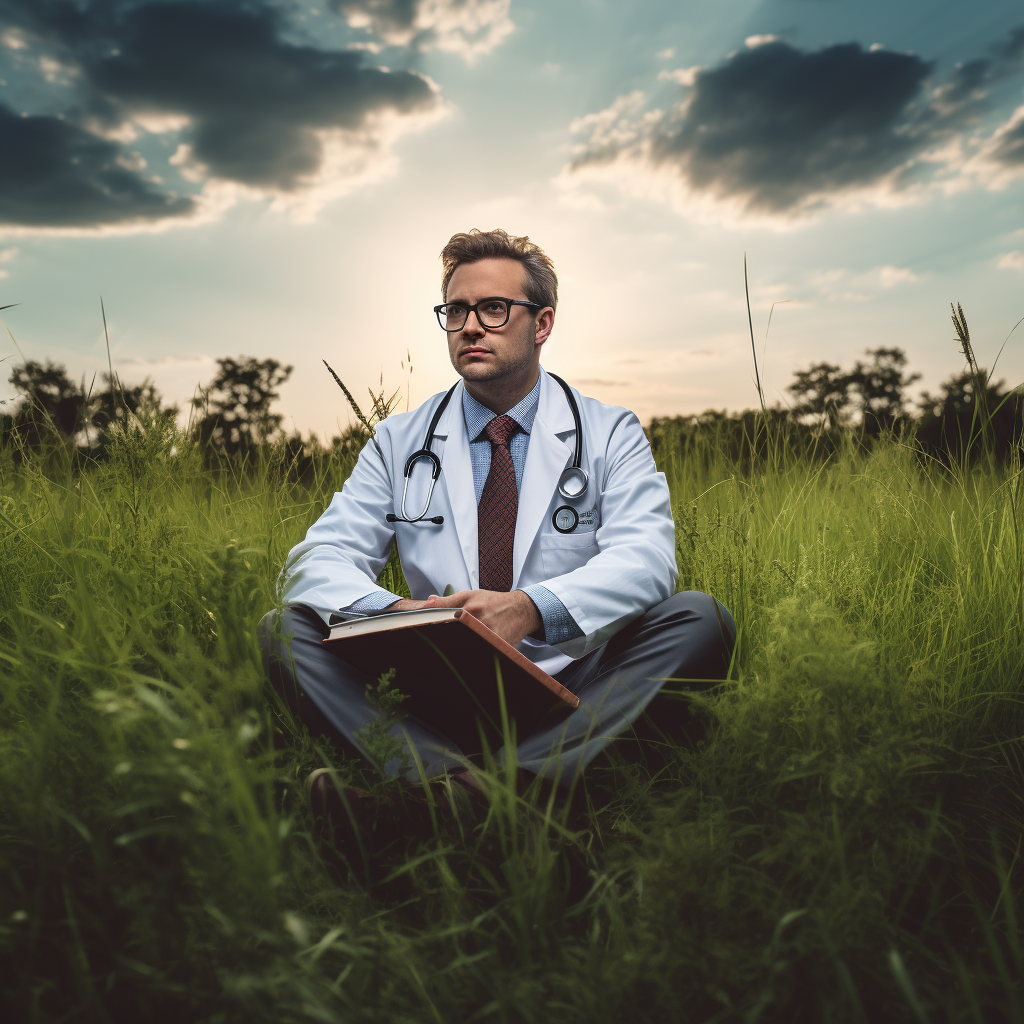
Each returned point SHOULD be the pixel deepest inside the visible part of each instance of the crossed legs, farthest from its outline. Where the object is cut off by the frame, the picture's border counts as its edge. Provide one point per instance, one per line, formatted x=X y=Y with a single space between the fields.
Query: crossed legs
x=688 y=637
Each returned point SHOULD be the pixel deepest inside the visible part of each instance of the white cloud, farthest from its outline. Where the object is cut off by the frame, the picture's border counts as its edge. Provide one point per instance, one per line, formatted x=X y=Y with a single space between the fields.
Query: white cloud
x=890 y=276
x=54 y=72
x=667 y=54
x=618 y=125
x=998 y=162
x=842 y=285
x=754 y=41
x=1011 y=261
x=470 y=28
x=684 y=76
x=13 y=40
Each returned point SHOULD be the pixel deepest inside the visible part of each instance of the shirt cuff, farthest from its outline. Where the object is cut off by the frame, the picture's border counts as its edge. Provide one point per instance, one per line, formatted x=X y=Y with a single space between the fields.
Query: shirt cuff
x=375 y=602
x=558 y=625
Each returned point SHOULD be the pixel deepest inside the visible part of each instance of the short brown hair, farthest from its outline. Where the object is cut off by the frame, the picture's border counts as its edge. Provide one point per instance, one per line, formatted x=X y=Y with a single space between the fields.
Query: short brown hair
x=470 y=246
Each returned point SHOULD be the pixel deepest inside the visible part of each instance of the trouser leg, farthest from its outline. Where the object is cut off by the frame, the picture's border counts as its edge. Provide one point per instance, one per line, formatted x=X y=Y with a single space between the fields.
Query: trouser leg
x=689 y=637
x=328 y=695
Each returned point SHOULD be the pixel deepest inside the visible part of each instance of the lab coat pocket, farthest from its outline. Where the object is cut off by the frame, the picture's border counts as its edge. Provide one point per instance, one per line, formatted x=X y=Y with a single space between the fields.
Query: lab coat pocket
x=562 y=552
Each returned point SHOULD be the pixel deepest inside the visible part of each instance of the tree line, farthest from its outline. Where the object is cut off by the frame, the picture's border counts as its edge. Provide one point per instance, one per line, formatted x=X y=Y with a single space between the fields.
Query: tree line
x=232 y=416
x=971 y=415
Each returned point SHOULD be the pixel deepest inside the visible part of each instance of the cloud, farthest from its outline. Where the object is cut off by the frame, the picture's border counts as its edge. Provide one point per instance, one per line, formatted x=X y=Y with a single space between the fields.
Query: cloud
x=841 y=285
x=774 y=131
x=890 y=276
x=1011 y=261
x=253 y=108
x=468 y=27
x=258 y=105
x=53 y=173
x=6 y=256
x=1008 y=142
x=778 y=128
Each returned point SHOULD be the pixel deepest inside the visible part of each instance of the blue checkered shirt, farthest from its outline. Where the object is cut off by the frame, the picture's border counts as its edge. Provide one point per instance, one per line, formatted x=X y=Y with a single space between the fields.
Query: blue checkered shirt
x=559 y=625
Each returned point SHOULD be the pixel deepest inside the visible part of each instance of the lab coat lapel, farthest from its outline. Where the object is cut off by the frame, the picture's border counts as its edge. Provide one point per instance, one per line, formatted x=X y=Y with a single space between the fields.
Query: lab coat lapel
x=546 y=457
x=457 y=476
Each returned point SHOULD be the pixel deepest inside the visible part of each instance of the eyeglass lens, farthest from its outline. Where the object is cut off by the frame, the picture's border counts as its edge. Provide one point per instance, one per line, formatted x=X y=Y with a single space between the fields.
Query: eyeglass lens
x=492 y=313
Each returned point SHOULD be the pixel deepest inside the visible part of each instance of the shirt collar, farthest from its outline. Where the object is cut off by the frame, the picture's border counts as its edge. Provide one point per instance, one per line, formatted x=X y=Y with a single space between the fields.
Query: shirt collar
x=478 y=416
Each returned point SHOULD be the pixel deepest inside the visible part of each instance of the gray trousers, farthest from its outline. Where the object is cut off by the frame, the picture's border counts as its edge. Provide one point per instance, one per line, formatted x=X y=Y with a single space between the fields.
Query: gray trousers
x=688 y=638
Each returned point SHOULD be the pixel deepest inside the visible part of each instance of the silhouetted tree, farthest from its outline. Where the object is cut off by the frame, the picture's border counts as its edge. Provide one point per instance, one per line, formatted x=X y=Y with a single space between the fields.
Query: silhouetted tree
x=121 y=406
x=236 y=404
x=881 y=387
x=824 y=392
x=51 y=405
x=955 y=425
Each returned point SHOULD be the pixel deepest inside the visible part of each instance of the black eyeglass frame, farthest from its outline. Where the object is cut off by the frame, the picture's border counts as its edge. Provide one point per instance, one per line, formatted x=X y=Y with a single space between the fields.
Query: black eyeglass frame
x=509 y=303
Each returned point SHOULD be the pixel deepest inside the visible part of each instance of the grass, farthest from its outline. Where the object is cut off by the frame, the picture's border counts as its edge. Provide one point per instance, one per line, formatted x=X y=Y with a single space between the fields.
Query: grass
x=842 y=845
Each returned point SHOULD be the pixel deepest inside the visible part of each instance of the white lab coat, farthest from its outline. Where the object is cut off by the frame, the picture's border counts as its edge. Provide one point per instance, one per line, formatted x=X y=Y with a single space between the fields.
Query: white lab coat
x=618 y=563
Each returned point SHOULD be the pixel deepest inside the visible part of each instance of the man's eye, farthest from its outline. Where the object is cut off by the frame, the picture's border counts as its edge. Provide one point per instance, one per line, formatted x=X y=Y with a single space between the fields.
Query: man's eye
x=494 y=307
x=453 y=310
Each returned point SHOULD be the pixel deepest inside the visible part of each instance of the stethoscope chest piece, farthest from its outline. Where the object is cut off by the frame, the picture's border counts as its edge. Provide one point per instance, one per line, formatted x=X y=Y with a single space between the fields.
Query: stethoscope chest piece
x=565 y=519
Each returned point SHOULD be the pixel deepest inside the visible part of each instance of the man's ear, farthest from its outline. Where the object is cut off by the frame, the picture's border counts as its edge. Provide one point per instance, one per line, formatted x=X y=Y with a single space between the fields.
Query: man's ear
x=545 y=322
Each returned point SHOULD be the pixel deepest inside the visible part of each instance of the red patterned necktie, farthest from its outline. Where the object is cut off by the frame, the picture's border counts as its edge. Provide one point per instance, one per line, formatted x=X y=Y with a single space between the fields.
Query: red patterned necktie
x=497 y=510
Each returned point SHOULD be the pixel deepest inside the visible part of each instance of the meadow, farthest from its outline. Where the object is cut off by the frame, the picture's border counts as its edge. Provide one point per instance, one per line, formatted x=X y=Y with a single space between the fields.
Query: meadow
x=839 y=842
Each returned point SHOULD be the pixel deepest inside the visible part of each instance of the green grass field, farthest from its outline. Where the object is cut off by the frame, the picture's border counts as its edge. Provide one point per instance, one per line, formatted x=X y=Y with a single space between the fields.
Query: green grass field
x=843 y=845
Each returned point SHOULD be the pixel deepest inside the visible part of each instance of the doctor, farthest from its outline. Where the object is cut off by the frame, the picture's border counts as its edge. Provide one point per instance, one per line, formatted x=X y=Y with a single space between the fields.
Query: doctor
x=581 y=579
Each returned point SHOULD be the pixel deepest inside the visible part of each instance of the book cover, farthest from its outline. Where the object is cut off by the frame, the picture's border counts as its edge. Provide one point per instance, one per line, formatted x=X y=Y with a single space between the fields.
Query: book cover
x=449 y=664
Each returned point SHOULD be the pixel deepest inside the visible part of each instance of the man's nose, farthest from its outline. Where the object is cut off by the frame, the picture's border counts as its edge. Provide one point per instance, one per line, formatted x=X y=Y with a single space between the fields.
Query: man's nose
x=472 y=327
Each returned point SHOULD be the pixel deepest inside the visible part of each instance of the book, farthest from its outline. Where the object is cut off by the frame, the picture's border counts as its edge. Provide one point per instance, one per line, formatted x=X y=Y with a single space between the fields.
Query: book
x=448 y=663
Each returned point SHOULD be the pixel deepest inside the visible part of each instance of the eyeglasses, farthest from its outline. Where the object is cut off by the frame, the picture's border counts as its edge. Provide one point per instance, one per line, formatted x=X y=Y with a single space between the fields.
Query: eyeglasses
x=491 y=313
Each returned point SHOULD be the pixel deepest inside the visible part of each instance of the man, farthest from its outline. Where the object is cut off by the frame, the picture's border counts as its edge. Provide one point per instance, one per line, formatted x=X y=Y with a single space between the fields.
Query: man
x=587 y=594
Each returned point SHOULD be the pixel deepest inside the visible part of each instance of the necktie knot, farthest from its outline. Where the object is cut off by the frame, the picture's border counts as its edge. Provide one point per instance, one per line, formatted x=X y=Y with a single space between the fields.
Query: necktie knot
x=500 y=429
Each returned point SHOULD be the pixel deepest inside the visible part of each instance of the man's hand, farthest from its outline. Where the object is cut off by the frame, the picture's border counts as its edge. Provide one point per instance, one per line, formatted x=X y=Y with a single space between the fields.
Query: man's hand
x=512 y=616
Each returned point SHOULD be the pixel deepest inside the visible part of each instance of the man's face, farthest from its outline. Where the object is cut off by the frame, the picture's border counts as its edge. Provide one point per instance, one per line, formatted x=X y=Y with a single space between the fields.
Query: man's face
x=481 y=355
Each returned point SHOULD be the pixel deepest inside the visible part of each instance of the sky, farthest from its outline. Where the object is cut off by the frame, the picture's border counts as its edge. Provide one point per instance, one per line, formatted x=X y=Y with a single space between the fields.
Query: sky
x=276 y=178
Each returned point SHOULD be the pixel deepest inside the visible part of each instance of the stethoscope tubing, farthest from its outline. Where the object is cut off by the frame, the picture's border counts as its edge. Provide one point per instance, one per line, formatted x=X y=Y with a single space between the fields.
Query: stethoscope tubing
x=573 y=472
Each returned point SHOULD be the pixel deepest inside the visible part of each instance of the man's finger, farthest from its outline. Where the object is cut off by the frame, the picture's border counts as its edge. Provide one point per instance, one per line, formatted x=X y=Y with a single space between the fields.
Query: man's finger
x=454 y=601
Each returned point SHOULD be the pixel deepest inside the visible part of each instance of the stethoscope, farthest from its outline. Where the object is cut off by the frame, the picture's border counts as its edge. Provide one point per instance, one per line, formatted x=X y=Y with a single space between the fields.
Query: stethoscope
x=572 y=484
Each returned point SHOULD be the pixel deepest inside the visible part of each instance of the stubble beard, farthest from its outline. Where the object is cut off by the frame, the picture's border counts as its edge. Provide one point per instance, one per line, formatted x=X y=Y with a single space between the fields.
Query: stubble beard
x=503 y=367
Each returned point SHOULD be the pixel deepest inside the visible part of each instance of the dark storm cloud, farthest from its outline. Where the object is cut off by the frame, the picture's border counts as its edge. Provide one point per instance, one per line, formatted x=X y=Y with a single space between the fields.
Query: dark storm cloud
x=774 y=124
x=779 y=128
x=54 y=174
x=255 y=101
